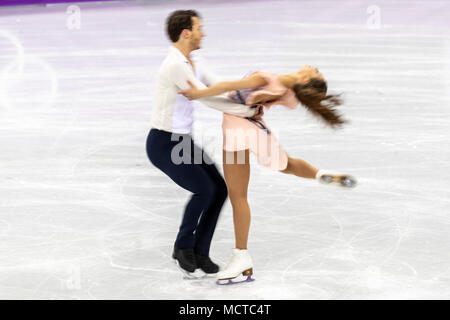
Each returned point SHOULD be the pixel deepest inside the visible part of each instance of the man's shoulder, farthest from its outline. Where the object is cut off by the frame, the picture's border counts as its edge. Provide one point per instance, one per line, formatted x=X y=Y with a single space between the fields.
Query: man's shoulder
x=172 y=63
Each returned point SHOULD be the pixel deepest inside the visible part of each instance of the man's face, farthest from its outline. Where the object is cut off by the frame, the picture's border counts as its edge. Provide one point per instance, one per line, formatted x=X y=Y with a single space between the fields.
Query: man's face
x=196 y=34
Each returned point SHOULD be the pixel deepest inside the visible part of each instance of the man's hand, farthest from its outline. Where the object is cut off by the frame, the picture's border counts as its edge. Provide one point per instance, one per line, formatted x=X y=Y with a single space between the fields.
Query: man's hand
x=192 y=93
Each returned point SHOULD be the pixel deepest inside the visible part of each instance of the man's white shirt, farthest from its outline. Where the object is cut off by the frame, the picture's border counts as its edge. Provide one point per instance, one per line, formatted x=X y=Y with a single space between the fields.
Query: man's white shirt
x=174 y=112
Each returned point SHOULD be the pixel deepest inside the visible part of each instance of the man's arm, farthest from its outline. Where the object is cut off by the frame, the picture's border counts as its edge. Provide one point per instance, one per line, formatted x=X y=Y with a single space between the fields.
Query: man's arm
x=254 y=81
x=208 y=76
x=180 y=73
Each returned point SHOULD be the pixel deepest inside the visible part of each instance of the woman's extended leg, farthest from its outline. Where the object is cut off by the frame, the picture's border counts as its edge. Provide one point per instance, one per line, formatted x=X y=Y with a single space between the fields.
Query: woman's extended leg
x=236 y=169
x=300 y=168
x=303 y=169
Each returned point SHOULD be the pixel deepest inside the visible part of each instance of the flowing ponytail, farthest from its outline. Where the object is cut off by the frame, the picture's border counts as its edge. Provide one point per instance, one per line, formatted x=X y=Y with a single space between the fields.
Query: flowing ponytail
x=313 y=96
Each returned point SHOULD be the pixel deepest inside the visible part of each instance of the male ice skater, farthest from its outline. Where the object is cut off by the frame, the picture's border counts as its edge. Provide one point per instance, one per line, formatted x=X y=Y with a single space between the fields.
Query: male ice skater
x=172 y=119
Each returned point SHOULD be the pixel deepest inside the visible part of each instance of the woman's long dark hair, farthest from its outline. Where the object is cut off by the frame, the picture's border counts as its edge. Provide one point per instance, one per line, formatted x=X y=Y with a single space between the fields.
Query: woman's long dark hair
x=313 y=96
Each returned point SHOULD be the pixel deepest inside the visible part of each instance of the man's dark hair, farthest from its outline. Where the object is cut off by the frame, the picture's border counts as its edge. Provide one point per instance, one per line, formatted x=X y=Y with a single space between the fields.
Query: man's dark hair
x=179 y=20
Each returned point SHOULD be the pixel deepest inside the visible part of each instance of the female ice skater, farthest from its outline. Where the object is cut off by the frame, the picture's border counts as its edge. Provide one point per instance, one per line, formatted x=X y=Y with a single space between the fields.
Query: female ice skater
x=244 y=135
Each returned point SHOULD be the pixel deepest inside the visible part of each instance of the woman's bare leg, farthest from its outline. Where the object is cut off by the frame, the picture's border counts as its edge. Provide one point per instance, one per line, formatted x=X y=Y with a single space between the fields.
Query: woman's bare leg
x=300 y=168
x=303 y=169
x=237 y=176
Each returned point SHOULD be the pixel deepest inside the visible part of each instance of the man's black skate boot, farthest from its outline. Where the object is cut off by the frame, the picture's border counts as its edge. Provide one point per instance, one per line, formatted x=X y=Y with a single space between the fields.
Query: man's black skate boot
x=205 y=263
x=185 y=258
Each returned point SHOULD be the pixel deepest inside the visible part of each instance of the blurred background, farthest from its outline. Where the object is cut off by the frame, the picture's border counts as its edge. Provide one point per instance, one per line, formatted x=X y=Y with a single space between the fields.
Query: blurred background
x=85 y=215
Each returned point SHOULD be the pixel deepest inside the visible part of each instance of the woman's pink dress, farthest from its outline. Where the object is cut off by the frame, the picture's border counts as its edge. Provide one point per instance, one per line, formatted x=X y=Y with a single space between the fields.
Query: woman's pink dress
x=243 y=133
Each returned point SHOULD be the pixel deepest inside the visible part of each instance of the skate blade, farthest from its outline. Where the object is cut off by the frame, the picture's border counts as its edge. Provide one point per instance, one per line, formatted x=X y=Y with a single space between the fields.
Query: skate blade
x=209 y=275
x=237 y=280
x=348 y=182
x=245 y=276
x=197 y=274
x=343 y=180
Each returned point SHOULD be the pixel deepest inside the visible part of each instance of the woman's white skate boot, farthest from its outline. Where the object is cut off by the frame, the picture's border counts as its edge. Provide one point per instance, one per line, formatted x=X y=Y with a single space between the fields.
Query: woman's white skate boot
x=239 y=270
x=331 y=177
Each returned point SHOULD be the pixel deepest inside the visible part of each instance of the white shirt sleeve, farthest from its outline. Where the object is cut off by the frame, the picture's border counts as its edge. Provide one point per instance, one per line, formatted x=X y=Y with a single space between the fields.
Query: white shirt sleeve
x=179 y=73
x=208 y=76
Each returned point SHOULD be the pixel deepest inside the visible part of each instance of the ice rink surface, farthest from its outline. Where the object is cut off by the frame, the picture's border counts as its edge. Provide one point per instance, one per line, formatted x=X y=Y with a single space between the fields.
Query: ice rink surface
x=84 y=215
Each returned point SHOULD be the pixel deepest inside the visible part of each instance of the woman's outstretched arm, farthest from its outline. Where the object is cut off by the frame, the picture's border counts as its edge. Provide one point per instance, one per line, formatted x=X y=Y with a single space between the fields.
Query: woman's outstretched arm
x=253 y=81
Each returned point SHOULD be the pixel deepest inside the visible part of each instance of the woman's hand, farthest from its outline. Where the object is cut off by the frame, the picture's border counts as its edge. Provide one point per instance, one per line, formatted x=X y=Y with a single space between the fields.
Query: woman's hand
x=258 y=115
x=192 y=93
